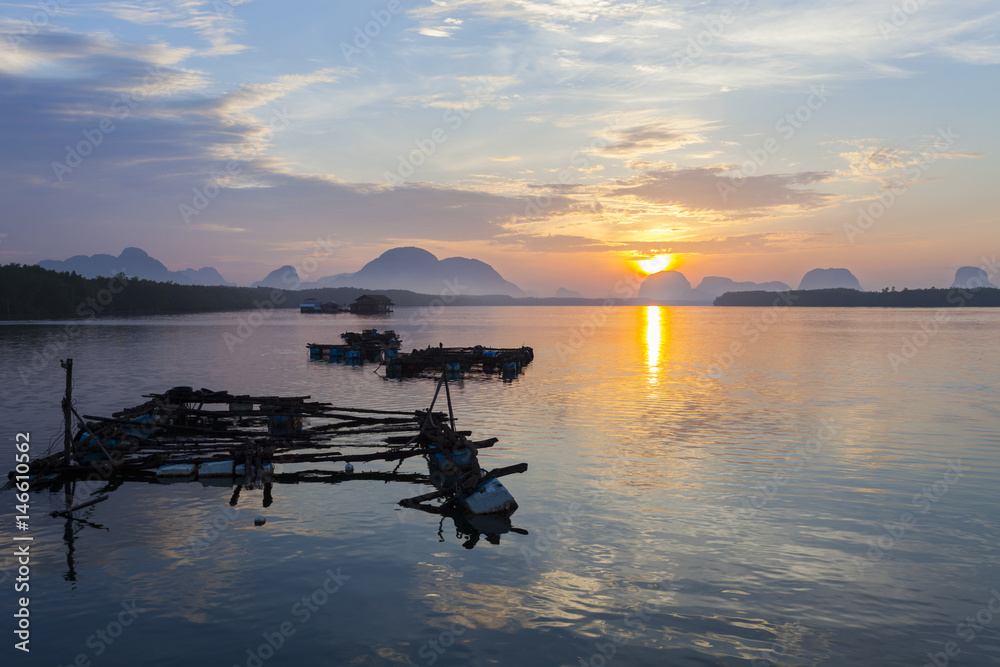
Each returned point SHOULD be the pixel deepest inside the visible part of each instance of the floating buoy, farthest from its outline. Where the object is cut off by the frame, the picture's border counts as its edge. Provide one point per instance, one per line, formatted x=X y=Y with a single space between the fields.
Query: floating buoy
x=348 y=468
x=259 y=521
x=176 y=470
x=489 y=497
x=225 y=469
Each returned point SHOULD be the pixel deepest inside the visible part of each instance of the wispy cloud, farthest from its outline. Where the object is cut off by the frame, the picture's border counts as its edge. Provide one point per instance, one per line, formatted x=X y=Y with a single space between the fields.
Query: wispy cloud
x=554 y=16
x=651 y=138
x=877 y=160
x=214 y=20
x=712 y=189
x=249 y=96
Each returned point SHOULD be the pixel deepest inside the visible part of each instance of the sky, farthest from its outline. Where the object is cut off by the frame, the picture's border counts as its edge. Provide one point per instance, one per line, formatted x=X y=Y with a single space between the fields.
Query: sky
x=559 y=140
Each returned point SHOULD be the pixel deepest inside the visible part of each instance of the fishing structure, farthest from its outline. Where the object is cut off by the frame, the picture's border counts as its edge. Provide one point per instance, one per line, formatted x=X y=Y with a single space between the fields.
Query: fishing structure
x=384 y=347
x=186 y=434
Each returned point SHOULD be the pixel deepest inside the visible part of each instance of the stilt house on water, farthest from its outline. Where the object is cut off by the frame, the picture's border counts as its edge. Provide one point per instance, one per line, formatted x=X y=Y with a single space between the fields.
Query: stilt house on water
x=371 y=304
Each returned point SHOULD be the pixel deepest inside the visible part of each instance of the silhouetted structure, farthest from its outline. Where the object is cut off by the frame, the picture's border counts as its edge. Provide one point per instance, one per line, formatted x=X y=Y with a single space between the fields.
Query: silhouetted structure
x=371 y=304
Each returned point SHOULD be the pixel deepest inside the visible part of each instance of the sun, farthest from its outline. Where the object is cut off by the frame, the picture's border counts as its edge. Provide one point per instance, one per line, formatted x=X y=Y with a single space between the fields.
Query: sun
x=655 y=264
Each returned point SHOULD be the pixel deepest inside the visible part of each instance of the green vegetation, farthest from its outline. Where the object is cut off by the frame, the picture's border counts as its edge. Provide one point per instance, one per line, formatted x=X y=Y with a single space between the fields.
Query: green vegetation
x=847 y=298
x=31 y=292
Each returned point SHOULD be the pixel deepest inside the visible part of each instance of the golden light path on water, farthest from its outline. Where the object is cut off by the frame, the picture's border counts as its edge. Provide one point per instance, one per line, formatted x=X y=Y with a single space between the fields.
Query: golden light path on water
x=654 y=344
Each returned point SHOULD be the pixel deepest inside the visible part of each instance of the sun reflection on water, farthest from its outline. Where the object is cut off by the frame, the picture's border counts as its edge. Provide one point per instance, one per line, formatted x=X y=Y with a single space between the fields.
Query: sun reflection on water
x=654 y=343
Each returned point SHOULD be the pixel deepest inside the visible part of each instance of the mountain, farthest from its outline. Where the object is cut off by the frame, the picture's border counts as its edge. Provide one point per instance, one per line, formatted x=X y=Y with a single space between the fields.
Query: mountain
x=284 y=278
x=203 y=276
x=829 y=279
x=135 y=263
x=563 y=293
x=417 y=270
x=971 y=277
x=714 y=286
x=674 y=287
x=671 y=287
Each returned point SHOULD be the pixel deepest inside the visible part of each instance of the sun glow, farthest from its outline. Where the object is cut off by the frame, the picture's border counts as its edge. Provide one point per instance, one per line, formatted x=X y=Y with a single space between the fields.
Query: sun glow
x=655 y=264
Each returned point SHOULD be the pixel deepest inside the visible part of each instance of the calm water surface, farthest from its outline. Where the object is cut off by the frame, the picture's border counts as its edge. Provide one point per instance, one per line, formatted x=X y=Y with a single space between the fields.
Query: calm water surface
x=706 y=487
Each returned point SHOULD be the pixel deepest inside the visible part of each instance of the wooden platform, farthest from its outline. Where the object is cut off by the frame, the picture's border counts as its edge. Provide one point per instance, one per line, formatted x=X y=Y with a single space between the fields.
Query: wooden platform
x=507 y=362
x=372 y=346
x=204 y=429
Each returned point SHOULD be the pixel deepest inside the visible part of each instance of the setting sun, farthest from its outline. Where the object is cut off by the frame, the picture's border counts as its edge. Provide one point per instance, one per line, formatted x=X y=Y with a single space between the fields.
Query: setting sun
x=655 y=264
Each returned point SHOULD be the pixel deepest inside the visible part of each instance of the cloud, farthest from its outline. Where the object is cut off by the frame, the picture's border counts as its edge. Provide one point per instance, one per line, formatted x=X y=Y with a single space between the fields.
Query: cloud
x=876 y=160
x=551 y=62
x=254 y=95
x=742 y=244
x=218 y=228
x=50 y=53
x=650 y=138
x=473 y=92
x=214 y=20
x=441 y=31
x=549 y=243
x=449 y=27
x=128 y=169
x=693 y=50
x=709 y=189
x=739 y=244
x=550 y=16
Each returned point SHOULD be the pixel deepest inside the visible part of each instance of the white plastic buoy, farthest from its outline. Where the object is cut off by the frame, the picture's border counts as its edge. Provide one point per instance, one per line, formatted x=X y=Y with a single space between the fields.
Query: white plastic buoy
x=259 y=521
x=176 y=470
x=225 y=469
x=348 y=468
x=488 y=498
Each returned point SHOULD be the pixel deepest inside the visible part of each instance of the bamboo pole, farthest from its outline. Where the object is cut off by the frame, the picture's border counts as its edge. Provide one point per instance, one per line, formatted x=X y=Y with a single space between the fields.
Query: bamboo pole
x=67 y=416
x=69 y=511
x=100 y=444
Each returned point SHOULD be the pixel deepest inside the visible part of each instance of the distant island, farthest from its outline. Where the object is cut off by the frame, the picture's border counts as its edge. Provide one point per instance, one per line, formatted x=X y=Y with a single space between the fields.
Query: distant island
x=135 y=263
x=980 y=297
x=412 y=268
x=31 y=292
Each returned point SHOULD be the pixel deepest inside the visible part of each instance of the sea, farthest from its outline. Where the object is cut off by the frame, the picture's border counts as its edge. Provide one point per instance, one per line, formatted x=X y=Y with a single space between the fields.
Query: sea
x=705 y=486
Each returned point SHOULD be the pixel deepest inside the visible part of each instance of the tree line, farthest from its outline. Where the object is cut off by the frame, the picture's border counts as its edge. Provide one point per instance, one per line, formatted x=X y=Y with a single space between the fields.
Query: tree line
x=31 y=292
x=955 y=297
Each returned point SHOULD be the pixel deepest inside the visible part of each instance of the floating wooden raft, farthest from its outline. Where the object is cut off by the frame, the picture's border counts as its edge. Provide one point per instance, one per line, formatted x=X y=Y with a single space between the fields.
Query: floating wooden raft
x=214 y=433
x=506 y=361
x=369 y=345
x=373 y=346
